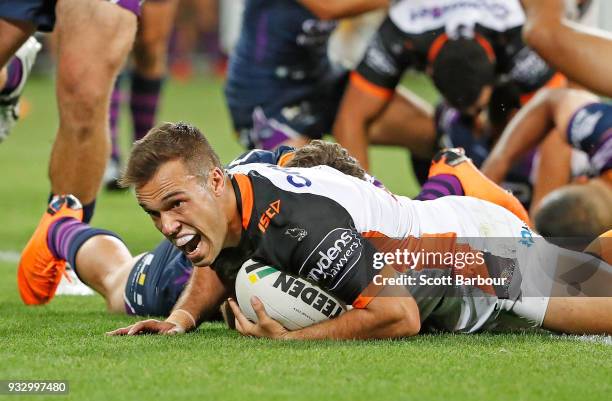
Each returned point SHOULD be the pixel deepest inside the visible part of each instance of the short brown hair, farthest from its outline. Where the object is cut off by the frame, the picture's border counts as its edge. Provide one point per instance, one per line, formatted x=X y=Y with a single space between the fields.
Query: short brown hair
x=167 y=142
x=318 y=153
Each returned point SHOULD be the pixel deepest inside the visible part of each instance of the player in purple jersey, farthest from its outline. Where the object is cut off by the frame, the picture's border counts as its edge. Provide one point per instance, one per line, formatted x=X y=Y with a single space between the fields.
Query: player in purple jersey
x=281 y=87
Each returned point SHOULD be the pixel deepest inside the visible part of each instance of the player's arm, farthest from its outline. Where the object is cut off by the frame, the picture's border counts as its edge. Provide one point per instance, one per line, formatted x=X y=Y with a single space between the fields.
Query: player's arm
x=359 y=107
x=370 y=89
x=583 y=55
x=391 y=314
x=336 y=9
x=550 y=108
x=201 y=298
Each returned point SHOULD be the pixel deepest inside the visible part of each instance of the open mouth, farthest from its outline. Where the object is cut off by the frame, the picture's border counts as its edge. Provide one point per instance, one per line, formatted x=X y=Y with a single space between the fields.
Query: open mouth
x=188 y=243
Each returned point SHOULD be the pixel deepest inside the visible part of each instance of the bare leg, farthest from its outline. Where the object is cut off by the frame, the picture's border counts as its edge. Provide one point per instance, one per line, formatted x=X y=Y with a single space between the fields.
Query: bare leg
x=94 y=38
x=579 y=315
x=408 y=122
x=12 y=35
x=151 y=46
x=104 y=263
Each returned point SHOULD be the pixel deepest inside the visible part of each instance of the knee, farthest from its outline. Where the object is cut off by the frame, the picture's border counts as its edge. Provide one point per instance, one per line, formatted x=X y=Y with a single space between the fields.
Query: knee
x=82 y=107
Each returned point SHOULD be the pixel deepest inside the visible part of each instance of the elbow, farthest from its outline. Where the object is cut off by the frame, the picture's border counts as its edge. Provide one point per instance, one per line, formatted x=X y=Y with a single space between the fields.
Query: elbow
x=411 y=324
x=538 y=36
x=405 y=321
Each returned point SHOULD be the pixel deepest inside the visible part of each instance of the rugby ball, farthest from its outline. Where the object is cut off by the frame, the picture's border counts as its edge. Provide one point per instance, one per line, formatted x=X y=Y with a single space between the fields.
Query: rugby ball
x=290 y=300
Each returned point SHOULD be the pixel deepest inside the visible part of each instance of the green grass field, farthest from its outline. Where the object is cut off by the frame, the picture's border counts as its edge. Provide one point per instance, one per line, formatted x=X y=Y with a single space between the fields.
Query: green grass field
x=65 y=340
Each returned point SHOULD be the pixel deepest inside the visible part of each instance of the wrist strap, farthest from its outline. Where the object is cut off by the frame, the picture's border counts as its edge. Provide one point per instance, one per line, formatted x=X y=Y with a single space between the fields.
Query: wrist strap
x=183 y=319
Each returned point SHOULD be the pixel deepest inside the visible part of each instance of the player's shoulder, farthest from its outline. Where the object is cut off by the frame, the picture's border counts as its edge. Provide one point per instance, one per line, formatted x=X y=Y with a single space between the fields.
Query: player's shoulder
x=279 y=156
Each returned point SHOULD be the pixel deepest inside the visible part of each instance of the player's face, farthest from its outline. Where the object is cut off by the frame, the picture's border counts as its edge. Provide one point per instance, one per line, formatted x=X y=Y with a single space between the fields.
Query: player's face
x=187 y=209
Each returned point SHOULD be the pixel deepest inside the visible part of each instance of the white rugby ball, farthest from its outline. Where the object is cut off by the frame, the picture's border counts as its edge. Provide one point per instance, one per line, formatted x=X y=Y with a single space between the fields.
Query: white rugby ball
x=290 y=300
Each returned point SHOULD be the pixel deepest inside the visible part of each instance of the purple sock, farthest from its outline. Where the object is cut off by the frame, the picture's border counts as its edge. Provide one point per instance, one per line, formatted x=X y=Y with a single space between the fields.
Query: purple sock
x=115 y=107
x=66 y=236
x=14 y=75
x=143 y=103
x=439 y=186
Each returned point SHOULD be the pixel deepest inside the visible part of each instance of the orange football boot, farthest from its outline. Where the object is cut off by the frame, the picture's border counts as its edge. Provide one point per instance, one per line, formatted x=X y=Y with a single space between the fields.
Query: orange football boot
x=453 y=161
x=39 y=270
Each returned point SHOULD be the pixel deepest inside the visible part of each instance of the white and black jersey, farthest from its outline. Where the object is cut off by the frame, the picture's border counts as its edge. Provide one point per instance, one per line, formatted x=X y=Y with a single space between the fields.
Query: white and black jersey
x=406 y=37
x=328 y=227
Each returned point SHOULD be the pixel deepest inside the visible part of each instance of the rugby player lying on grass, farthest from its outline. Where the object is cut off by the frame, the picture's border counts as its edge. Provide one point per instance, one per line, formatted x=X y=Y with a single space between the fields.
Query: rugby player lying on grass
x=569 y=116
x=150 y=284
x=218 y=219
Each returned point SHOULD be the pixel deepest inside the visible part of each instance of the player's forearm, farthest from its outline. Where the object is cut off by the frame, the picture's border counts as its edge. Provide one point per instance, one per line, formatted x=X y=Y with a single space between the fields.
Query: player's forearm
x=357 y=111
x=351 y=134
x=584 y=55
x=525 y=131
x=336 y=9
x=202 y=295
x=385 y=317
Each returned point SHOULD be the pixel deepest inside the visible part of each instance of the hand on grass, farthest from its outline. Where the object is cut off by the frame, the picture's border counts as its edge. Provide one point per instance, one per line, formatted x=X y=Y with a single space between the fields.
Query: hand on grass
x=150 y=326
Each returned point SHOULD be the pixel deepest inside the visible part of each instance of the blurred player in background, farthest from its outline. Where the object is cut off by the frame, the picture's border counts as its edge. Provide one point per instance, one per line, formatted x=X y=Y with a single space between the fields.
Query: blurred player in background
x=281 y=86
x=574 y=117
x=467 y=48
x=94 y=38
x=583 y=54
x=150 y=57
x=13 y=77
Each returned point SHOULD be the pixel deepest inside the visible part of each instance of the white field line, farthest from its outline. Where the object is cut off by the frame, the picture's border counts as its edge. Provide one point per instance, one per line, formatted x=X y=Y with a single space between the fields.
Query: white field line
x=9 y=256
x=75 y=287
x=606 y=340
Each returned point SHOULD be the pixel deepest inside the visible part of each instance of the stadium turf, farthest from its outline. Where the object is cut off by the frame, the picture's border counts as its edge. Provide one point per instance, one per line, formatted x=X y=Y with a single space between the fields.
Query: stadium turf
x=65 y=339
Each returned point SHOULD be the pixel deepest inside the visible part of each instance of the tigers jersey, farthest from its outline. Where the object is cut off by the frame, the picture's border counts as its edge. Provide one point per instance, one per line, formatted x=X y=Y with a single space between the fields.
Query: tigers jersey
x=413 y=29
x=329 y=227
